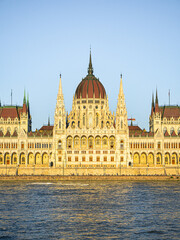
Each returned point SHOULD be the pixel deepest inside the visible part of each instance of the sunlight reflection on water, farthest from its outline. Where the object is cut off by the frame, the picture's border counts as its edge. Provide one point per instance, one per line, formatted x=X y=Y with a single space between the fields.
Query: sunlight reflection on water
x=90 y=210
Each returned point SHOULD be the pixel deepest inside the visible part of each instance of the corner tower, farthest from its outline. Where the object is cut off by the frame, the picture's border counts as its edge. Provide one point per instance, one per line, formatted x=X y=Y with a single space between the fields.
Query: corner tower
x=122 y=130
x=59 y=131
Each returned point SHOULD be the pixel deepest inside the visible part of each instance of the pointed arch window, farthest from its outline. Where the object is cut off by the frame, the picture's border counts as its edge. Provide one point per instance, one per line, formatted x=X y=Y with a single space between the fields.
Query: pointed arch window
x=60 y=124
x=97 y=119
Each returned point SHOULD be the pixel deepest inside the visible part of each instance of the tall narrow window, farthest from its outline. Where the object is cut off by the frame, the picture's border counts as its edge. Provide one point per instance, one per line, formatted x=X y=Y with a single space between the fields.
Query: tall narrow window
x=83 y=119
x=97 y=120
x=60 y=124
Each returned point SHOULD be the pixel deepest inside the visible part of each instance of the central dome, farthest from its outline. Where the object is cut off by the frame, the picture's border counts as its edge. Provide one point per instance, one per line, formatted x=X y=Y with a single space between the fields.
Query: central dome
x=90 y=86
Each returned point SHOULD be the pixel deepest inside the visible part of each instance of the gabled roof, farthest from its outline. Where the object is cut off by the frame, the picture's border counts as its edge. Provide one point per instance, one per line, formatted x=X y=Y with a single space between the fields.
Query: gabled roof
x=7 y=134
x=15 y=134
x=173 y=134
x=166 y=134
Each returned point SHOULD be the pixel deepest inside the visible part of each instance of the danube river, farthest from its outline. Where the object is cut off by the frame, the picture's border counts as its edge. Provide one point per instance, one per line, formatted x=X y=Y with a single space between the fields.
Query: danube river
x=90 y=210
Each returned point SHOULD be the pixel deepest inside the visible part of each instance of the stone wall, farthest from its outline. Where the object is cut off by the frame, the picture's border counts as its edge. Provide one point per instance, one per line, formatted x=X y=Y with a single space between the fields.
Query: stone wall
x=123 y=171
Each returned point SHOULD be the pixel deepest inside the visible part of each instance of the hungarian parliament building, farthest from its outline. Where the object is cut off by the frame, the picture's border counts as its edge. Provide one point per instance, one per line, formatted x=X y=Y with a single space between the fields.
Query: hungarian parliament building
x=90 y=136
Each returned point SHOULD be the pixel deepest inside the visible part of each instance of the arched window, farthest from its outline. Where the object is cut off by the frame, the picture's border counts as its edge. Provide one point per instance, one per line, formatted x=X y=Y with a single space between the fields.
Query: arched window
x=9 y=129
x=84 y=119
x=178 y=131
x=60 y=124
x=59 y=144
x=164 y=130
x=97 y=119
x=121 y=144
x=102 y=124
x=121 y=124
x=171 y=131
x=69 y=142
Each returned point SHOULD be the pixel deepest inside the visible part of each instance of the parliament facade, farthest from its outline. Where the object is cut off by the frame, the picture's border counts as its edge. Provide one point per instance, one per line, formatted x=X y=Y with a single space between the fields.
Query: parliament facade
x=90 y=136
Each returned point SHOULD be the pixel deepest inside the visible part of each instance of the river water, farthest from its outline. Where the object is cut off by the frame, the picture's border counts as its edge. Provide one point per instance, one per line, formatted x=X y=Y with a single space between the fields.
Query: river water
x=90 y=210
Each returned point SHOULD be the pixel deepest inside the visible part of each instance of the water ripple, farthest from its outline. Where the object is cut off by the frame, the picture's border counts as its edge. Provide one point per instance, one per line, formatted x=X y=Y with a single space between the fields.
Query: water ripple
x=90 y=210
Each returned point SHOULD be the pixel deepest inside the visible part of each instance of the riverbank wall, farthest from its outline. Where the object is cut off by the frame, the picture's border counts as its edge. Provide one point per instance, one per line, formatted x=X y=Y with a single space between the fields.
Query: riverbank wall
x=123 y=171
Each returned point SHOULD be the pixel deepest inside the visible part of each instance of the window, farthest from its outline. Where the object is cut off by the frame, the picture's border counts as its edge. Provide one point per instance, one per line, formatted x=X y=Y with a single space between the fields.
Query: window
x=59 y=123
x=121 y=144
x=84 y=118
x=59 y=159
x=172 y=130
x=105 y=159
x=83 y=159
x=97 y=120
x=164 y=130
x=76 y=159
x=159 y=145
x=122 y=159
x=22 y=145
x=90 y=158
x=112 y=159
x=69 y=159
x=98 y=159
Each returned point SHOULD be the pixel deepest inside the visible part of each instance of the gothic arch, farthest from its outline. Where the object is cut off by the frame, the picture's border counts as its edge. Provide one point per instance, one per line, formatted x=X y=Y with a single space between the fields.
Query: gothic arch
x=143 y=158
x=14 y=158
x=167 y=158
x=150 y=158
x=38 y=158
x=45 y=158
x=31 y=159
x=136 y=158
x=174 y=159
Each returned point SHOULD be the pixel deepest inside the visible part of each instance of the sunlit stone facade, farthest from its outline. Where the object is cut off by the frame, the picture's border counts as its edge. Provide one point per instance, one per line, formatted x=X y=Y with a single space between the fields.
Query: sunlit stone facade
x=90 y=136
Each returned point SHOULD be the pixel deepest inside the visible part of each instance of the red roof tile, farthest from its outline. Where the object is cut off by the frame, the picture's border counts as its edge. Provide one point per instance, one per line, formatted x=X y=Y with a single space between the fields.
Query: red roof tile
x=170 y=111
x=135 y=128
x=46 y=128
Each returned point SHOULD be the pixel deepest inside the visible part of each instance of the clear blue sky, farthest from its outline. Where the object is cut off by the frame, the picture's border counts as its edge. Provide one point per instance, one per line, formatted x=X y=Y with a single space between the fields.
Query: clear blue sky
x=40 y=39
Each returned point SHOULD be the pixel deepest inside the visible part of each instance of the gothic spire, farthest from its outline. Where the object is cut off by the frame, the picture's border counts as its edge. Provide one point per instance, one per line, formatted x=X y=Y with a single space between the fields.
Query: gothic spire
x=28 y=100
x=156 y=97
x=90 y=68
x=49 y=121
x=60 y=86
x=121 y=87
x=153 y=100
x=24 y=99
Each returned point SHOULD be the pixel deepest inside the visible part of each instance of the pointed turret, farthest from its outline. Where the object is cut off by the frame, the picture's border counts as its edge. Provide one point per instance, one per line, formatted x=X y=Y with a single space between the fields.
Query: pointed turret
x=24 y=99
x=152 y=106
x=121 y=87
x=49 y=121
x=60 y=115
x=156 y=103
x=60 y=86
x=24 y=103
x=122 y=130
x=121 y=112
x=90 y=68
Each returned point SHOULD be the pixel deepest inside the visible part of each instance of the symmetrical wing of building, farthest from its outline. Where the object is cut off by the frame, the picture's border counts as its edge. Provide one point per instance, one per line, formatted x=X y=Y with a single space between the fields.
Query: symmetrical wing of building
x=90 y=136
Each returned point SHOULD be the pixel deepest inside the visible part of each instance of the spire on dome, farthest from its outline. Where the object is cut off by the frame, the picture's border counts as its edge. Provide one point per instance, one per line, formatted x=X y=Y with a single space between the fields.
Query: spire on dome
x=90 y=68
